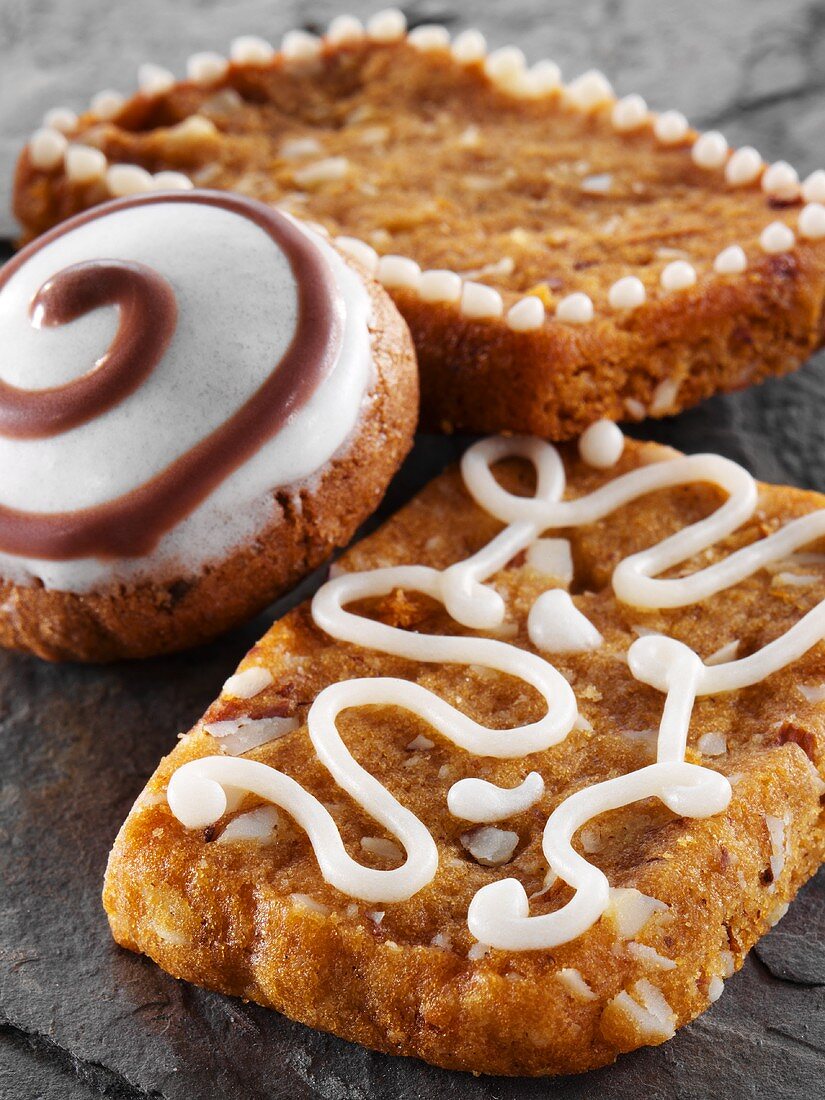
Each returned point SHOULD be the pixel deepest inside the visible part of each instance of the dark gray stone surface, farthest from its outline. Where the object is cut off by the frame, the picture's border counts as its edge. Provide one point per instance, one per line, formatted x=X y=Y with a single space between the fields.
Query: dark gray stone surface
x=80 y=1018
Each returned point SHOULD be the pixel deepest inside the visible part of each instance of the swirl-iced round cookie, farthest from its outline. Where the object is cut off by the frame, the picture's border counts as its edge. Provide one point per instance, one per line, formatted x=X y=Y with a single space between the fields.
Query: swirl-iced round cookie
x=175 y=462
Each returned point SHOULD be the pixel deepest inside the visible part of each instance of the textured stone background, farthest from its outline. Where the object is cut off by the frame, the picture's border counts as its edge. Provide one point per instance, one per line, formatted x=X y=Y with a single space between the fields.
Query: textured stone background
x=78 y=1017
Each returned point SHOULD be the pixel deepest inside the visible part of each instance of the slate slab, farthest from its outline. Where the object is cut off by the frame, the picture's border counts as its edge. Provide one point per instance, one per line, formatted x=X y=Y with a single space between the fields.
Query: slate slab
x=80 y=1018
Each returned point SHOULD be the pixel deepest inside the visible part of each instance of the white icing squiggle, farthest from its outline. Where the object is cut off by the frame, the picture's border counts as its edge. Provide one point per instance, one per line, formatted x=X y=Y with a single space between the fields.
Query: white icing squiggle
x=499 y=914
x=480 y=801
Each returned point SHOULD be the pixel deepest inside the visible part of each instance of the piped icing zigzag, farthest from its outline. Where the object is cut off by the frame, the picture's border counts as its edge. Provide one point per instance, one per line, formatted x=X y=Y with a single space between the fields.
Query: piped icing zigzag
x=202 y=790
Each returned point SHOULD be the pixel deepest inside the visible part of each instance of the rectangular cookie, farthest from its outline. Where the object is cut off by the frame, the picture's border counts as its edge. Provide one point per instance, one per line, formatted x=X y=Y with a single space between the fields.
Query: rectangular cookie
x=470 y=951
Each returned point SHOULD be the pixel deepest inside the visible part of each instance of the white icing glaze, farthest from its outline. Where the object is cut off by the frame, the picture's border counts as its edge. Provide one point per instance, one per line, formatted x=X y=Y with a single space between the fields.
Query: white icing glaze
x=220 y=265
x=478 y=800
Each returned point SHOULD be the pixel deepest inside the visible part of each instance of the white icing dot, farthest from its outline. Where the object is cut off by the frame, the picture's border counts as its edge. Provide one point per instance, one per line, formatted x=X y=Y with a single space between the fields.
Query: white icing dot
x=107 y=104
x=670 y=127
x=489 y=845
x=387 y=25
x=776 y=237
x=440 y=286
x=678 y=275
x=576 y=309
x=399 y=272
x=710 y=150
x=744 y=166
x=154 y=79
x=364 y=253
x=328 y=170
x=47 y=148
x=469 y=46
x=84 y=164
x=590 y=90
x=343 y=29
x=731 y=261
x=172 y=181
x=60 y=118
x=601 y=444
x=480 y=302
x=811 y=222
x=249 y=683
x=627 y=293
x=505 y=64
x=300 y=45
x=781 y=181
x=629 y=113
x=526 y=315
x=206 y=68
x=128 y=179
x=544 y=77
x=813 y=189
x=555 y=625
x=249 y=49
x=552 y=557
x=429 y=36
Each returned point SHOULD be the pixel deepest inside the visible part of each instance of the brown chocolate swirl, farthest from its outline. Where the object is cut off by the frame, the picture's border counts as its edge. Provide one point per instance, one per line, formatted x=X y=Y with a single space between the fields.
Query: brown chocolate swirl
x=148 y=315
x=131 y=525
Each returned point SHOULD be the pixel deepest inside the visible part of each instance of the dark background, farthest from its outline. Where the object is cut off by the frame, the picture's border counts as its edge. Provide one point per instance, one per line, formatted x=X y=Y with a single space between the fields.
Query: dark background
x=78 y=1017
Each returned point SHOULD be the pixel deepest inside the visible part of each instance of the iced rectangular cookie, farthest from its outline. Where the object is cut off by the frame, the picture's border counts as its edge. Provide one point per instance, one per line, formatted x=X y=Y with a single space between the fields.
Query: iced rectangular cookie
x=523 y=785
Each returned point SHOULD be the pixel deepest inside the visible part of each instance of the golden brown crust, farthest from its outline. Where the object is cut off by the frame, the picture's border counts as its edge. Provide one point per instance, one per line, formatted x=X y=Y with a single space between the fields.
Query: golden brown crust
x=492 y=180
x=235 y=917
x=307 y=525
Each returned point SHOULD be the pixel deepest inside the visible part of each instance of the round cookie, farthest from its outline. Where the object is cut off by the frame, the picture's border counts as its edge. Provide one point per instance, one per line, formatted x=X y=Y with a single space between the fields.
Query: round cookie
x=200 y=399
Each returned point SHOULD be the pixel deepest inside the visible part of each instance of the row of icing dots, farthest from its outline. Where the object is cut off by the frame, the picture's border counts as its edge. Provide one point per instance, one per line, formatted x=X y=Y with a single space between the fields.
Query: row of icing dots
x=50 y=148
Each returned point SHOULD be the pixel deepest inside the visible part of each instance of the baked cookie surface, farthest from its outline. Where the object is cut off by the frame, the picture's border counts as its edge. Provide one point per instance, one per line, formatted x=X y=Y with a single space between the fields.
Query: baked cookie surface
x=558 y=254
x=201 y=399
x=467 y=950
